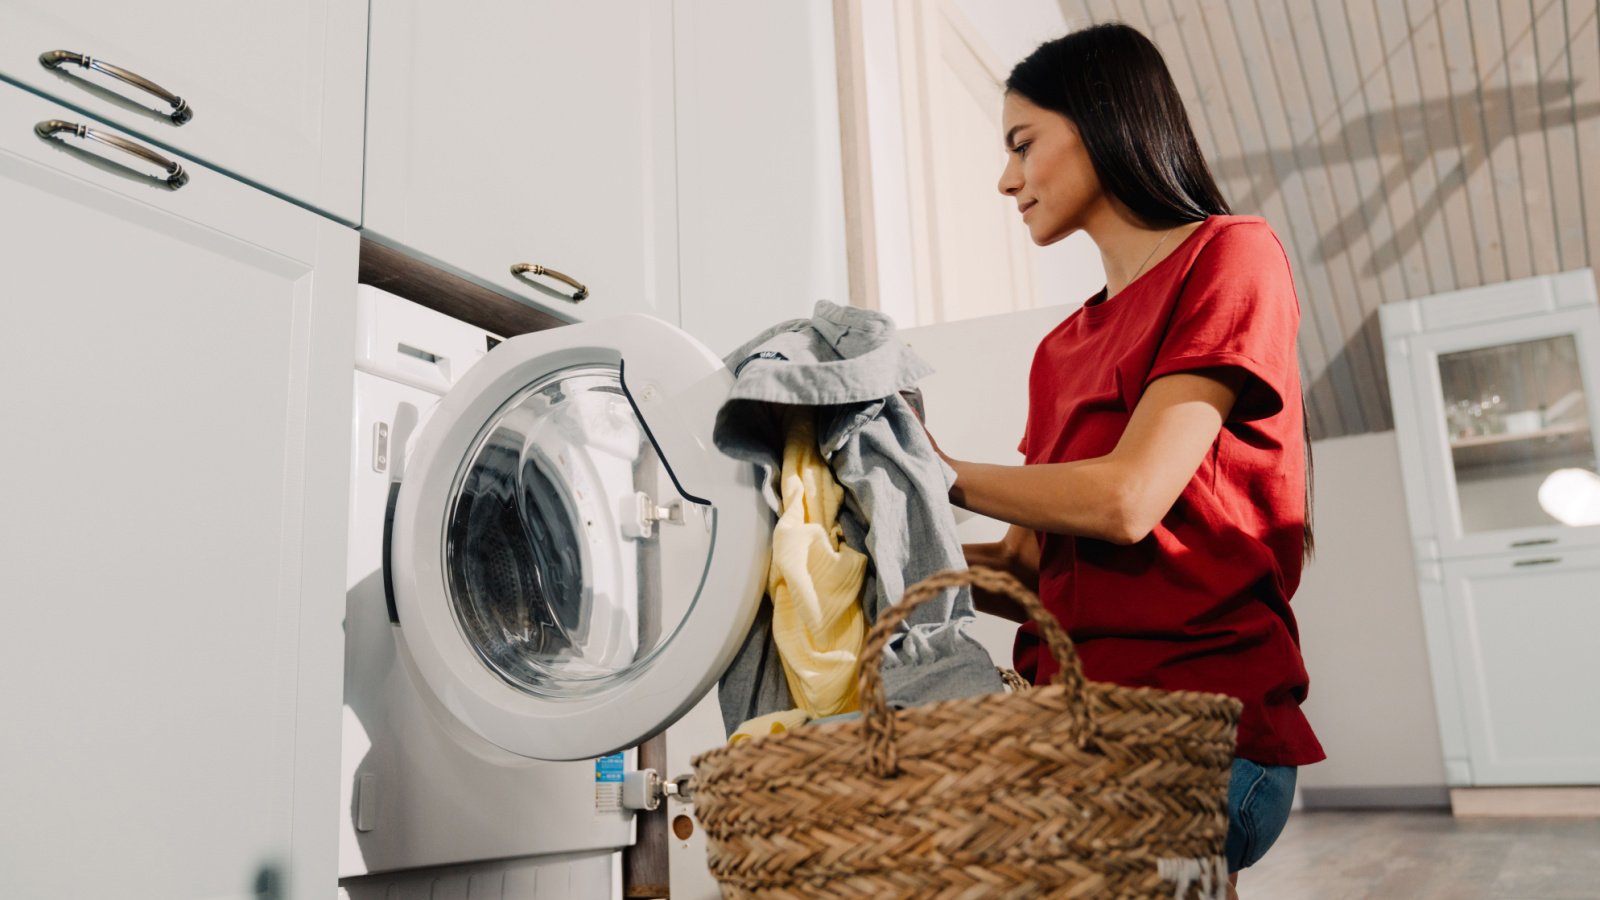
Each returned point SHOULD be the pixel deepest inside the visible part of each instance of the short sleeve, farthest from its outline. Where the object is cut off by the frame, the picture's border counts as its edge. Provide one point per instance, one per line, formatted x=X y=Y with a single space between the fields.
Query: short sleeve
x=1237 y=309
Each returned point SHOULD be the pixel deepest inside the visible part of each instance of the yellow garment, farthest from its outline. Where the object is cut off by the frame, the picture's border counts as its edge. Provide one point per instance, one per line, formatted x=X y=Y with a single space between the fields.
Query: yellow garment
x=815 y=580
x=771 y=723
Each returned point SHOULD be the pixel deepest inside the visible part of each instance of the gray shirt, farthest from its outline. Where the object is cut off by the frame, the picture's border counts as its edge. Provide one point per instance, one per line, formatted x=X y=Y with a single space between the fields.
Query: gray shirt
x=848 y=363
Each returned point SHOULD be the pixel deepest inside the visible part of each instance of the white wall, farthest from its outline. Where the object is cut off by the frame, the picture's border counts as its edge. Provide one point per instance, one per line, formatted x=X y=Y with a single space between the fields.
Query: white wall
x=1371 y=699
x=1065 y=273
x=1070 y=271
x=1014 y=28
x=977 y=404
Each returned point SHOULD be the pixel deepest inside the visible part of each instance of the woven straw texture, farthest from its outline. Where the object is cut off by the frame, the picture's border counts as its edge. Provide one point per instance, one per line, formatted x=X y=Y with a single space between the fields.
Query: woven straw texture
x=1077 y=789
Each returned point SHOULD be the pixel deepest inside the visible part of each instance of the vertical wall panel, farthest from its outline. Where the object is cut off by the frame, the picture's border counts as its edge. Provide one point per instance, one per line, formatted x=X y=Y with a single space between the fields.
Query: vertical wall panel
x=1438 y=117
x=1328 y=68
x=1239 y=160
x=1174 y=47
x=1350 y=116
x=1525 y=210
x=1585 y=50
x=1253 y=192
x=1264 y=155
x=1395 y=187
x=1322 y=134
x=1421 y=172
x=1496 y=90
x=1462 y=83
x=1561 y=139
x=1262 y=39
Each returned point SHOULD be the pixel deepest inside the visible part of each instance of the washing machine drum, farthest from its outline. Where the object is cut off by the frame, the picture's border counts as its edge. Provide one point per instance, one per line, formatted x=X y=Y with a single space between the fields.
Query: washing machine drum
x=547 y=578
x=516 y=579
x=573 y=563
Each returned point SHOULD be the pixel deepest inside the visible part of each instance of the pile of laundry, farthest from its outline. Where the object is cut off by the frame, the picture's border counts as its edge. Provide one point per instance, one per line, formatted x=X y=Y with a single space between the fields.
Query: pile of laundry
x=823 y=408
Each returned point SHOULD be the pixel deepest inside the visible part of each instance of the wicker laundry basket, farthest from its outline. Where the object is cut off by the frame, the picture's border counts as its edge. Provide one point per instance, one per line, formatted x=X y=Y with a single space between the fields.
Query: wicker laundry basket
x=1077 y=789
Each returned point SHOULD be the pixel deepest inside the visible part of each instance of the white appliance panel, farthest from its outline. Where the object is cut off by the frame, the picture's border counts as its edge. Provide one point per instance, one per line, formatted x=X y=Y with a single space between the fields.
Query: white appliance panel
x=428 y=790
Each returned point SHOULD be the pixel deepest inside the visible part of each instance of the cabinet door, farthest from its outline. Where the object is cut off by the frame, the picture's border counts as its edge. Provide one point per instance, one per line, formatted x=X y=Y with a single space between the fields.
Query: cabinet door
x=175 y=463
x=535 y=133
x=1507 y=416
x=1522 y=631
x=761 y=197
x=275 y=90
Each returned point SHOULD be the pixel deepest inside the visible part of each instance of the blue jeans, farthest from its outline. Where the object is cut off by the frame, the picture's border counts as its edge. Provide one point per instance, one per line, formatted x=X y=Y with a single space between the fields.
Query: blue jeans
x=1259 y=798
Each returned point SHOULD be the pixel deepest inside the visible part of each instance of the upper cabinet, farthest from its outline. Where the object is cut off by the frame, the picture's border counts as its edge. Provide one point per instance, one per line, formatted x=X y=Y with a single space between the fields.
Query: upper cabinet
x=761 y=234
x=530 y=147
x=271 y=93
x=1497 y=408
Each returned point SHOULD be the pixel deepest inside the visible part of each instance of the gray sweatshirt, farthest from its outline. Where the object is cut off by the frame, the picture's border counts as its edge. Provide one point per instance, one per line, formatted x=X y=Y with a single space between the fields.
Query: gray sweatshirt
x=848 y=363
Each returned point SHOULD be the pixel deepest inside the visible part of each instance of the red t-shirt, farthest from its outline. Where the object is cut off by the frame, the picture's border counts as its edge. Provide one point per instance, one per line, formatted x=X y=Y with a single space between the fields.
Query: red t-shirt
x=1202 y=603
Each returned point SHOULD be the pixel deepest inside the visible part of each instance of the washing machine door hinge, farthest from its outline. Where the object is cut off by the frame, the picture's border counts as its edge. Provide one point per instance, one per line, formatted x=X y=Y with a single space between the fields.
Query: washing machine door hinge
x=640 y=515
x=645 y=789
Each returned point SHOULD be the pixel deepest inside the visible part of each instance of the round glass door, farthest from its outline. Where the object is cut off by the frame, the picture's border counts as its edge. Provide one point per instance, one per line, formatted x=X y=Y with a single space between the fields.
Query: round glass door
x=551 y=578
x=574 y=564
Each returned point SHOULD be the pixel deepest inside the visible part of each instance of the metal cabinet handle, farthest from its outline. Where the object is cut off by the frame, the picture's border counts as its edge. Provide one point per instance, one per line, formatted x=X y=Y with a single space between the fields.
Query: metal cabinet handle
x=1547 y=561
x=181 y=112
x=579 y=291
x=176 y=177
x=1533 y=543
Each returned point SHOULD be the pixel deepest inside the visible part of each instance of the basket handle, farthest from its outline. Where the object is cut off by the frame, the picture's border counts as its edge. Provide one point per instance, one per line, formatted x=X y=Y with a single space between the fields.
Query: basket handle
x=877 y=720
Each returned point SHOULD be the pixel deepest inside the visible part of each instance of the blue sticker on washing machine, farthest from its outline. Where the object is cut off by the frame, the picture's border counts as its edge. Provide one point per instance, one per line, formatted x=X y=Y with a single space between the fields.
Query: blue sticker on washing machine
x=608 y=768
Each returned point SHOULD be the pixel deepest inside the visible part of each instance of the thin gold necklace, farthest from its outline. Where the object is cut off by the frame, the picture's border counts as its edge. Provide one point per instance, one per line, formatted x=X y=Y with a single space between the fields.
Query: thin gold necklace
x=1153 y=250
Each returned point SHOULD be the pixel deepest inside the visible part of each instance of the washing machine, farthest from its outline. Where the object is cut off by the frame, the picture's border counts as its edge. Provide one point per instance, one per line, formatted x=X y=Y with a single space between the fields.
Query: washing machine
x=548 y=563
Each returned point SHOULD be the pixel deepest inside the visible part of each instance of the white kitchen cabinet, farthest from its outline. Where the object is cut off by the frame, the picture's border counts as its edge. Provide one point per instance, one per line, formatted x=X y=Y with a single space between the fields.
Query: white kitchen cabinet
x=1522 y=632
x=1496 y=394
x=173 y=476
x=274 y=92
x=514 y=133
x=760 y=187
x=1494 y=389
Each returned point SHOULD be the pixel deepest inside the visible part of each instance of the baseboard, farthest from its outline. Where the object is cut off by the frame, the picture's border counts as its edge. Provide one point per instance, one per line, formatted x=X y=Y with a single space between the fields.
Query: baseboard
x=1526 y=802
x=1423 y=796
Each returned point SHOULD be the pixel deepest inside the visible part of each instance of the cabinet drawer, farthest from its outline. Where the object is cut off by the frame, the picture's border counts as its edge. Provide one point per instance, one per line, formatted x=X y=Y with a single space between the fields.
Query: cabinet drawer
x=274 y=90
x=538 y=133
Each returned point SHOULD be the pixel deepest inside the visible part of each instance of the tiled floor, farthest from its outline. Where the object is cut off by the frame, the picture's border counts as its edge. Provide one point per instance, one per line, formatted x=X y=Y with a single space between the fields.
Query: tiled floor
x=1427 y=855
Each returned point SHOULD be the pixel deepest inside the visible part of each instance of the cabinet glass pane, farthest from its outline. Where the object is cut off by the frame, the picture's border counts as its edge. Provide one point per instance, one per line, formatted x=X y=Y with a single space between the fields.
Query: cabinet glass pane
x=1515 y=414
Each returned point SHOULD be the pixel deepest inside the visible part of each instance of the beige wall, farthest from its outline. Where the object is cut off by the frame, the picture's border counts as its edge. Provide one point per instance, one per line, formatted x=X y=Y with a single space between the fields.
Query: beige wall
x=1371 y=698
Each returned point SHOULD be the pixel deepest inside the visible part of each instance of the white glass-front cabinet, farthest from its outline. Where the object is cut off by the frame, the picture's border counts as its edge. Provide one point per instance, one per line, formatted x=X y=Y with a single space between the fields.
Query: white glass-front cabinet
x=1495 y=390
x=1496 y=395
x=272 y=93
x=173 y=476
x=529 y=136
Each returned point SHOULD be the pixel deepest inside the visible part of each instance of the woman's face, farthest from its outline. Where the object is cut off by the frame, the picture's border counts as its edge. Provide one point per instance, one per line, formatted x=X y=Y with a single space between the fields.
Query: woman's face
x=1047 y=170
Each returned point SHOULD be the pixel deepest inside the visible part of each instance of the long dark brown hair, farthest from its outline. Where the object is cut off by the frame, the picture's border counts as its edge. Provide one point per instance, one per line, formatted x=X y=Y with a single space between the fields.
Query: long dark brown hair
x=1112 y=84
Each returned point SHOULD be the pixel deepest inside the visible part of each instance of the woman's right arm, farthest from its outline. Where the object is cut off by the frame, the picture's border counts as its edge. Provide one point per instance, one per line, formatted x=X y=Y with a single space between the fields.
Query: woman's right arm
x=1016 y=554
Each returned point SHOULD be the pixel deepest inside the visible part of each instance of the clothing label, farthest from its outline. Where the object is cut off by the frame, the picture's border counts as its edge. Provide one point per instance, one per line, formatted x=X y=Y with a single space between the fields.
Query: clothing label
x=765 y=354
x=608 y=769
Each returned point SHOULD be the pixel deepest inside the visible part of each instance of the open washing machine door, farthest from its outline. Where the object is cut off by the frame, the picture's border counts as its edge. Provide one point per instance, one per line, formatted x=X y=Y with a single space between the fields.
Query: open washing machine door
x=573 y=564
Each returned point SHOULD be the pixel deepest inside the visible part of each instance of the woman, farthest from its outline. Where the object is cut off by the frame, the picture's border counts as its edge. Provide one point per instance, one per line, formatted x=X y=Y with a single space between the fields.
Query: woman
x=1163 y=510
